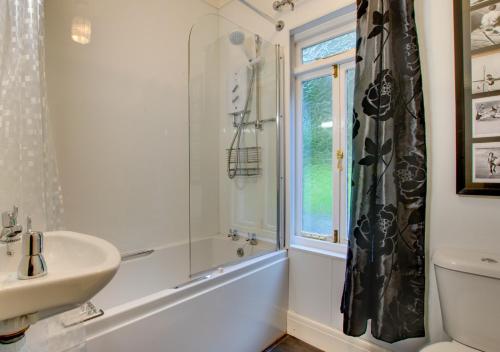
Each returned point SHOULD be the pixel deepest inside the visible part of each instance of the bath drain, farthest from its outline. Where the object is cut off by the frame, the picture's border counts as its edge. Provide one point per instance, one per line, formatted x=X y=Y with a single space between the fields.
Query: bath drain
x=240 y=252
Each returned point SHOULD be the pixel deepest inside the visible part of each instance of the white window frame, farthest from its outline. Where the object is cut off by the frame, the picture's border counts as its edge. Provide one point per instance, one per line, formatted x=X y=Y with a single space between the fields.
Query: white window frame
x=305 y=71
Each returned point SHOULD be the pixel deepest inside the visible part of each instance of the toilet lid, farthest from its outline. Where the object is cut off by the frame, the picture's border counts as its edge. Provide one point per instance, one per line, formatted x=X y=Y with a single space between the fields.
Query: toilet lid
x=448 y=347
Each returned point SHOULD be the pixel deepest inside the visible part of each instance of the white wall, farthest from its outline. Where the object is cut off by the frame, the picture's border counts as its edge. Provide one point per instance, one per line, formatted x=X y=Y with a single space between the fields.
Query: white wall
x=453 y=221
x=119 y=107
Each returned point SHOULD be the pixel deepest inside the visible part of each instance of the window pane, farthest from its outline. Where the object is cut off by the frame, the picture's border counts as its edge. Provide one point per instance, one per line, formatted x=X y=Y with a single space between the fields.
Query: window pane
x=329 y=47
x=350 y=75
x=317 y=156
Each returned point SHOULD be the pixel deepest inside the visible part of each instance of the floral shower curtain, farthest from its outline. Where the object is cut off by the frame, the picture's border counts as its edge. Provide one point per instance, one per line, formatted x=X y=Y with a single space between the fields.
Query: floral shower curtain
x=28 y=172
x=385 y=274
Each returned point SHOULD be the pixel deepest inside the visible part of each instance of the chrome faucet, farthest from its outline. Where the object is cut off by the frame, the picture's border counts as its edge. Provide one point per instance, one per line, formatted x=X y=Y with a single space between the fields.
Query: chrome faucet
x=252 y=239
x=234 y=234
x=11 y=231
x=32 y=263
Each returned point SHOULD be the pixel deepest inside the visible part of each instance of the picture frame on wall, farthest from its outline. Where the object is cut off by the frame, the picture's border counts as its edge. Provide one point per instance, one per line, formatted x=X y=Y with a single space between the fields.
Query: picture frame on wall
x=486 y=117
x=486 y=162
x=484 y=29
x=486 y=72
x=477 y=76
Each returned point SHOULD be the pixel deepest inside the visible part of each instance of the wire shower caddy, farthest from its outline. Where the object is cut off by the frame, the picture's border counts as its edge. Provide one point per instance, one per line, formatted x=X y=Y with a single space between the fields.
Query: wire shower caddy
x=244 y=161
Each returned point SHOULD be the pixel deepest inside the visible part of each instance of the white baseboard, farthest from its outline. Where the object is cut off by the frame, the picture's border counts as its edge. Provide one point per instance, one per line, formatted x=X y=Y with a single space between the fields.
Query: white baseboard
x=325 y=337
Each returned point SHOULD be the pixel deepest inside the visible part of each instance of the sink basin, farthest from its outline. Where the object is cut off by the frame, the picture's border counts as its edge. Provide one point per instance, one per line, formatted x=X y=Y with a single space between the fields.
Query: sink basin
x=79 y=266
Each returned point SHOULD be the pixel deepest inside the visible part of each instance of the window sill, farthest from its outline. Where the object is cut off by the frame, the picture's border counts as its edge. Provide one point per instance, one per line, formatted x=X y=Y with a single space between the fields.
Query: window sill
x=329 y=249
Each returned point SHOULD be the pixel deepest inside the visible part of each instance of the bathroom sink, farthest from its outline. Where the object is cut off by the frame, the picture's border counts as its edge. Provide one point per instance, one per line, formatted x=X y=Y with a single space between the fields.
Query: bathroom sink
x=78 y=266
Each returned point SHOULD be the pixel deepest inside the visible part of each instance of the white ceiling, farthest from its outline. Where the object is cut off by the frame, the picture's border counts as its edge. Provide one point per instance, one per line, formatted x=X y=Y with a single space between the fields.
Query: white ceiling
x=263 y=5
x=217 y=3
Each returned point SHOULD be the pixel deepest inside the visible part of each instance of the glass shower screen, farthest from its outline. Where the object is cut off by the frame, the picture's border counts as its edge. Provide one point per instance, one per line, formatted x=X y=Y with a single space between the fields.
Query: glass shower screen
x=234 y=144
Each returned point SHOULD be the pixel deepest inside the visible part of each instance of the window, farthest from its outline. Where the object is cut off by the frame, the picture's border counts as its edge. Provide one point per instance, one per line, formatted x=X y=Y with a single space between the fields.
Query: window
x=328 y=48
x=324 y=89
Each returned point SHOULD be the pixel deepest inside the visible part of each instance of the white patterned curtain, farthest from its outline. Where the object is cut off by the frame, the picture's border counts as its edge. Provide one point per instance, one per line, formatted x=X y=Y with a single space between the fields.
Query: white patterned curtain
x=28 y=170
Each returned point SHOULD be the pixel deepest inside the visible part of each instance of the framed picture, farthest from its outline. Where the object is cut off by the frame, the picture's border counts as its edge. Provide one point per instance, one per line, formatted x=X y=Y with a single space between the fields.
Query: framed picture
x=478 y=2
x=486 y=162
x=484 y=26
x=486 y=117
x=486 y=72
x=477 y=76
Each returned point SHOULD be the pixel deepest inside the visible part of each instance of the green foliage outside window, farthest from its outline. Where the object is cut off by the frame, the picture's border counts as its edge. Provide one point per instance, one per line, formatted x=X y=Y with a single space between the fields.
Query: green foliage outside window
x=317 y=192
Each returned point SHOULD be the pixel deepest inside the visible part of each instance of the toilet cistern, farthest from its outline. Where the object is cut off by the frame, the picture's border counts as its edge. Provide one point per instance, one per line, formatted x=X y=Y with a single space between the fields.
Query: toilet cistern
x=468 y=284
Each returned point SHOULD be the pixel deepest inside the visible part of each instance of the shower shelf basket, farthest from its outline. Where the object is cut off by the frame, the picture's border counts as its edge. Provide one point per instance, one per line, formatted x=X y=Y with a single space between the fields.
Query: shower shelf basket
x=244 y=161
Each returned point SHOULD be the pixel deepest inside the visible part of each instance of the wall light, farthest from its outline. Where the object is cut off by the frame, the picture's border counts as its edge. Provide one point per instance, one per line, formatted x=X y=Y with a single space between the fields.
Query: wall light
x=81 y=30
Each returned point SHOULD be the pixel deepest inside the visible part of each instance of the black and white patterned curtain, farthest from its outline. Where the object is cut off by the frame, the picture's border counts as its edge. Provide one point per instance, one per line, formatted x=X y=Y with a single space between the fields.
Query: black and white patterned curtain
x=385 y=275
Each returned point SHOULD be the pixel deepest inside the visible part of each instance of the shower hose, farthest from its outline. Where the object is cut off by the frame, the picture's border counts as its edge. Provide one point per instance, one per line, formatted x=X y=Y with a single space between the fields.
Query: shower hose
x=235 y=143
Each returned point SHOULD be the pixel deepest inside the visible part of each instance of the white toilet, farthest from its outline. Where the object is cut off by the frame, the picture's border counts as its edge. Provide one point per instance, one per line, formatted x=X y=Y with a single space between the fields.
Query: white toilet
x=469 y=293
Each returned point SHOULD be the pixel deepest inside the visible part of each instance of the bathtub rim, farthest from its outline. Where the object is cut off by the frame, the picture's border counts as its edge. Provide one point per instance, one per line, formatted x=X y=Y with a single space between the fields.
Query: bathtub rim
x=219 y=237
x=208 y=272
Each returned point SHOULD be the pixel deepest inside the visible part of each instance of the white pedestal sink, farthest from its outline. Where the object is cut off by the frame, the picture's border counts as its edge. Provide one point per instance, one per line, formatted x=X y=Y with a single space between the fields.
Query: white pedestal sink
x=78 y=265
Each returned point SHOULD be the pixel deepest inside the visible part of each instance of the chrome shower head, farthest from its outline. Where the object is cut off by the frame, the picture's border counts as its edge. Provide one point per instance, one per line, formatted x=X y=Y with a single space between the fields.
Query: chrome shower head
x=237 y=37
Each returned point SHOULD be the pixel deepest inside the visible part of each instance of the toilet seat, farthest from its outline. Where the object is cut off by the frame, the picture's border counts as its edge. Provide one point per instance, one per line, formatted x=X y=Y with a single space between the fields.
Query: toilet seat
x=448 y=347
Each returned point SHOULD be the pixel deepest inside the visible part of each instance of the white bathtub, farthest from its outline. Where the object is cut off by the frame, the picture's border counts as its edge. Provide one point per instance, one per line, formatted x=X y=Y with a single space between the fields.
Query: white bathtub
x=242 y=308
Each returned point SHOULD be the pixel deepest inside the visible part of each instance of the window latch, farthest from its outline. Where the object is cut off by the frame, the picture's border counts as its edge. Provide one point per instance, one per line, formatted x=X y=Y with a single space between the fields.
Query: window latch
x=340 y=159
x=336 y=237
x=335 y=71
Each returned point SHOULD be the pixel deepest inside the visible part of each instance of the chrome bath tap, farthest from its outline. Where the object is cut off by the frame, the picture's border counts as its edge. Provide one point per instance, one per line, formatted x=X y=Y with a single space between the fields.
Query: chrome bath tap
x=11 y=231
x=252 y=239
x=234 y=234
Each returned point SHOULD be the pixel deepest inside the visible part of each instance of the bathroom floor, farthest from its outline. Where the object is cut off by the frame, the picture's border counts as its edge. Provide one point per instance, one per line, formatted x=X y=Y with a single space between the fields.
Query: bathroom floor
x=291 y=344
